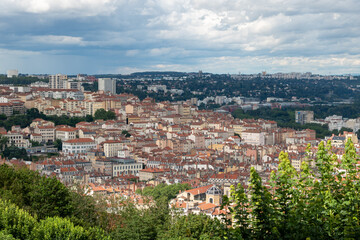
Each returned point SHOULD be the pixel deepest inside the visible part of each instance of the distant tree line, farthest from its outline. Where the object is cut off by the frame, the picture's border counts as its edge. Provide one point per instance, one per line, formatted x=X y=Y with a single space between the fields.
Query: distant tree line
x=285 y=118
x=24 y=120
x=20 y=80
x=224 y=84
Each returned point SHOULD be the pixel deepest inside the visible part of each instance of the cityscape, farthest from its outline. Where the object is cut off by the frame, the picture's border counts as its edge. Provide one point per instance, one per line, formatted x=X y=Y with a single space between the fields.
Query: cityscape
x=179 y=120
x=118 y=144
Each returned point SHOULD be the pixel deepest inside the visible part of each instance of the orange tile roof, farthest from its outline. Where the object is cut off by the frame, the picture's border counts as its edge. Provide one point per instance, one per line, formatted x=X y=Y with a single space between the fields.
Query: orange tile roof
x=206 y=206
x=79 y=140
x=153 y=170
x=67 y=129
x=200 y=190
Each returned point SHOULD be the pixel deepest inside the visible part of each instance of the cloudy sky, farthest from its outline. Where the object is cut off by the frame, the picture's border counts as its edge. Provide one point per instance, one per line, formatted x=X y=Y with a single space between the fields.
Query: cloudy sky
x=218 y=36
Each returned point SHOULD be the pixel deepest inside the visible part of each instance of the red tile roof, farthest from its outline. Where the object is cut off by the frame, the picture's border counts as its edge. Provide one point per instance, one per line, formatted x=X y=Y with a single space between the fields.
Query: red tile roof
x=200 y=190
x=80 y=140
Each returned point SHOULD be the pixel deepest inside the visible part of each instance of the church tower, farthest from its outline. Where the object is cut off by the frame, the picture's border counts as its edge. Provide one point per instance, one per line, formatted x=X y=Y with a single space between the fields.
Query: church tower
x=214 y=195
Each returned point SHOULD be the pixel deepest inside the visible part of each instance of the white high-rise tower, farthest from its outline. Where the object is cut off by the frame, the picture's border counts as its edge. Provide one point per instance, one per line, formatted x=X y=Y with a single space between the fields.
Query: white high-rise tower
x=107 y=85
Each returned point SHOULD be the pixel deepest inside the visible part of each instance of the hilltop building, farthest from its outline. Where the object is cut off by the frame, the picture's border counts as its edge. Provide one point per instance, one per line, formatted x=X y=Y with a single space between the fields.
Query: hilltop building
x=12 y=73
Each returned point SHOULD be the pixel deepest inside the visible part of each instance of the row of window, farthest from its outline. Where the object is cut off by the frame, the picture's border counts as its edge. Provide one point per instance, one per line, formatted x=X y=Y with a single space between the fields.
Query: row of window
x=117 y=173
x=75 y=151
x=15 y=137
x=76 y=147
x=137 y=166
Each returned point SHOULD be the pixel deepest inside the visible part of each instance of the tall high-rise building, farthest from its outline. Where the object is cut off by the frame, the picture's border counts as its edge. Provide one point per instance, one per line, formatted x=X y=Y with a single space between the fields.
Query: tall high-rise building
x=303 y=117
x=12 y=73
x=57 y=81
x=107 y=85
x=72 y=84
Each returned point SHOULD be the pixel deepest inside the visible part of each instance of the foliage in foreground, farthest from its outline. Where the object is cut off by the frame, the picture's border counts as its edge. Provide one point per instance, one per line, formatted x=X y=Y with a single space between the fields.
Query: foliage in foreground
x=46 y=197
x=15 y=223
x=36 y=207
x=318 y=203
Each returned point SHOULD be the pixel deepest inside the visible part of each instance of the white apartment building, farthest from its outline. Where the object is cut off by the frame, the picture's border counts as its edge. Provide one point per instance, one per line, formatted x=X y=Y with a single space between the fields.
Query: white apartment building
x=111 y=148
x=12 y=73
x=71 y=84
x=47 y=132
x=107 y=85
x=78 y=145
x=253 y=137
x=57 y=81
x=126 y=166
x=17 y=139
x=66 y=133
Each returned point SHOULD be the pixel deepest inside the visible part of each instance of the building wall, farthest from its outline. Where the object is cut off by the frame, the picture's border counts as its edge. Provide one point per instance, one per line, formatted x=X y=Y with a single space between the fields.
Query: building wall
x=303 y=117
x=111 y=149
x=131 y=168
x=78 y=147
x=6 y=108
x=107 y=85
x=57 y=81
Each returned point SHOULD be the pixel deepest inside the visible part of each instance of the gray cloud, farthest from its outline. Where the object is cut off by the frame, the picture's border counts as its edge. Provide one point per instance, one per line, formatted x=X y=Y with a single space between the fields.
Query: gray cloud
x=185 y=35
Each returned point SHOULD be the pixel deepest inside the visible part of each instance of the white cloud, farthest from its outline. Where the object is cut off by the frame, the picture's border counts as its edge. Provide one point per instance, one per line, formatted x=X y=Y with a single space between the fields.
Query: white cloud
x=4 y=52
x=127 y=70
x=59 y=40
x=211 y=35
x=322 y=64
x=159 y=51
x=65 y=7
x=168 y=67
x=131 y=53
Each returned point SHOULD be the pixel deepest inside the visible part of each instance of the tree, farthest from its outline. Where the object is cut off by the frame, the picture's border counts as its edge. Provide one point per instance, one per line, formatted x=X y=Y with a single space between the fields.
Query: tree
x=89 y=118
x=287 y=198
x=50 y=198
x=15 y=152
x=35 y=143
x=194 y=226
x=103 y=114
x=3 y=142
x=261 y=203
x=5 y=236
x=58 y=144
x=126 y=133
x=163 y=190
x=58 y=228
x=239 y=213
x=139 y=224
x=33 y=113
x=15 y=222
x=3 y=117
x=85 y=209
x=318 y=203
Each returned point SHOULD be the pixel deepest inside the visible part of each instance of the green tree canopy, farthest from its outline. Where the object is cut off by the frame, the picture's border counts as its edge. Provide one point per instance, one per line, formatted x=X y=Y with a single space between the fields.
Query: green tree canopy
x=105 y=115
x=163 y=190
x=195 y=226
